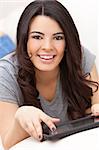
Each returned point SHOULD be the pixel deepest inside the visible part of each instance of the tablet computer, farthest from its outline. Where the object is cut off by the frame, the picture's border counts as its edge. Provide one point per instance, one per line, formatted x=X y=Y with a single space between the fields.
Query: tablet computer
x=71 y=127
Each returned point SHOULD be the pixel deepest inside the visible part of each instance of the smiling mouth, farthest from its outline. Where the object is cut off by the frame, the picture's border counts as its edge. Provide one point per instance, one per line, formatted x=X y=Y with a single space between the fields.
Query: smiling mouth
x=46 y=57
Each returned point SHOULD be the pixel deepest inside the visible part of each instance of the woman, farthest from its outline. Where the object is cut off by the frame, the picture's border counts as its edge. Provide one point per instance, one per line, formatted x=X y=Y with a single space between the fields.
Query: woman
x=50 y=79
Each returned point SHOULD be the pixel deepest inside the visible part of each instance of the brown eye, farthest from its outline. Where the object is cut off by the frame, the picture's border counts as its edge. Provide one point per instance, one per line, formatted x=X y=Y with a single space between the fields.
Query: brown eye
x=37 y=37
x=58 y=37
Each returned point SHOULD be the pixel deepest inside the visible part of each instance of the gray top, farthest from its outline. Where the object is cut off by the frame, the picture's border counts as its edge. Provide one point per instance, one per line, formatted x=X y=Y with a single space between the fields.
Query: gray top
x=10 y=90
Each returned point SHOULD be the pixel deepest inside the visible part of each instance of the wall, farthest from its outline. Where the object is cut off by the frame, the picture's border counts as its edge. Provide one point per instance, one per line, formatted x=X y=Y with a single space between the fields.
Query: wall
x=85 y=14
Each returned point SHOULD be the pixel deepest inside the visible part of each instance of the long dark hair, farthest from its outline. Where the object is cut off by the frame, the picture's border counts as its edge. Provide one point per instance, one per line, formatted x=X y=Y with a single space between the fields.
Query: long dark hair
x=74 y=85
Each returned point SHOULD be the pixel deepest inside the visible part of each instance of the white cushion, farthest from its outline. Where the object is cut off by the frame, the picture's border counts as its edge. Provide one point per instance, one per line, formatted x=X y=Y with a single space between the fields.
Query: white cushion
x=86 y=140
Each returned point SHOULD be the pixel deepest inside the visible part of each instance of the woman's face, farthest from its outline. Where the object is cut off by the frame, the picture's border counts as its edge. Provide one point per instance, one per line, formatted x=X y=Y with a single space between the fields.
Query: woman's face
x=46 y=43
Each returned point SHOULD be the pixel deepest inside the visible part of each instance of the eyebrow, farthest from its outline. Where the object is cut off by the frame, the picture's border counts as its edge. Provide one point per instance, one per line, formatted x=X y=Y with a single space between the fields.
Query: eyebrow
x=57 y=33
x=36 y=32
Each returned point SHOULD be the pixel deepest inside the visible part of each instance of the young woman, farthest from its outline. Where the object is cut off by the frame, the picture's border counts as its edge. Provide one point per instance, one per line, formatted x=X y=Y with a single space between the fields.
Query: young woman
x=50 y=78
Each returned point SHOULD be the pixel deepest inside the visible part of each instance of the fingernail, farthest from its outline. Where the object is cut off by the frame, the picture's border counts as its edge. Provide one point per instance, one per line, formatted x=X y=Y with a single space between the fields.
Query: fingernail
x=40 y=137
x=53 y=129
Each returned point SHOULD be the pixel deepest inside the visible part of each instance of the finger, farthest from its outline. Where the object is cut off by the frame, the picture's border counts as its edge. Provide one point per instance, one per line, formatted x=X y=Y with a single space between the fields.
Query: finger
x=96 y=113
x=30 y=129
x=55 y=120
x=49 y=121
x=38 y=129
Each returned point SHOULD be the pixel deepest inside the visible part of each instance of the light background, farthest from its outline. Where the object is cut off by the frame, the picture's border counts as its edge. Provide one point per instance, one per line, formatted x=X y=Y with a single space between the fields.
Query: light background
x=84 y=13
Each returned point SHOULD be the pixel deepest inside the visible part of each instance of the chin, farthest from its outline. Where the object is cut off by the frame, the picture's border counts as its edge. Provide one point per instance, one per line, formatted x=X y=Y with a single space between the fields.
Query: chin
x=45 y=69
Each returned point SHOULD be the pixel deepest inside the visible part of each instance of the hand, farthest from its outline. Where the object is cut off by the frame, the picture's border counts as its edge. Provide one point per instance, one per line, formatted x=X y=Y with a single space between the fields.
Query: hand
x=30 y=119
x=95 y=109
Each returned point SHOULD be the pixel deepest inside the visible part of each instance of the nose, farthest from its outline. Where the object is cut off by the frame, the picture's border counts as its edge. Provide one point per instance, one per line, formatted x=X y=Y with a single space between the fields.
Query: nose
x=47 y=44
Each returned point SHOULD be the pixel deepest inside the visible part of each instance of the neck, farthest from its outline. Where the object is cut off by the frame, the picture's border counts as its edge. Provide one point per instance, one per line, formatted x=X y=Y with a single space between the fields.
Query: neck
x=46 y=77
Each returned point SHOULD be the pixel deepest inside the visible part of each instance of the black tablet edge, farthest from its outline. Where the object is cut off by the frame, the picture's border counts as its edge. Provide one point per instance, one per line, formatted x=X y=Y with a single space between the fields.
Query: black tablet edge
x=71 y=132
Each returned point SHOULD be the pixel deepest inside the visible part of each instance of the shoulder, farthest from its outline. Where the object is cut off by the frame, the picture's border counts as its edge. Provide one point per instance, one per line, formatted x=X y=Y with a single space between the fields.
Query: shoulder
x=88 y=60
x=9 y=88
x=9 y=63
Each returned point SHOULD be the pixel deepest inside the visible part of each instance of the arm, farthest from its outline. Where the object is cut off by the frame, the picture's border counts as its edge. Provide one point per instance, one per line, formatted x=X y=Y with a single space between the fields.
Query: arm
x=16 y=123
x=95 y=77
x=9 y=128
x=95 y=97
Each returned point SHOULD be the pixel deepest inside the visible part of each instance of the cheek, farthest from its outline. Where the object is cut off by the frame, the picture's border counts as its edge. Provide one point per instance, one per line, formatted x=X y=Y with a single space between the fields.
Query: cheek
x=32 y=47
x=61 y=53
x=61 y=49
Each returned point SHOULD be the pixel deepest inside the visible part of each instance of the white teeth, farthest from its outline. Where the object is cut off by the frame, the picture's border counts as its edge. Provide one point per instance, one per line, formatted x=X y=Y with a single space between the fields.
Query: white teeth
x=46 y=56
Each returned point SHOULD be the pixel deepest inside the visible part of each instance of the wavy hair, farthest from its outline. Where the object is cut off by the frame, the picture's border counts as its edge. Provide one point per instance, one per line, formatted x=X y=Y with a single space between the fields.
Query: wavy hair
x=74 y=85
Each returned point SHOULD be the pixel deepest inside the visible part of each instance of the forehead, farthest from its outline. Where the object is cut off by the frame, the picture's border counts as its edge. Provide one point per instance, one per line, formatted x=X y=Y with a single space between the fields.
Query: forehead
x=44 y=24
